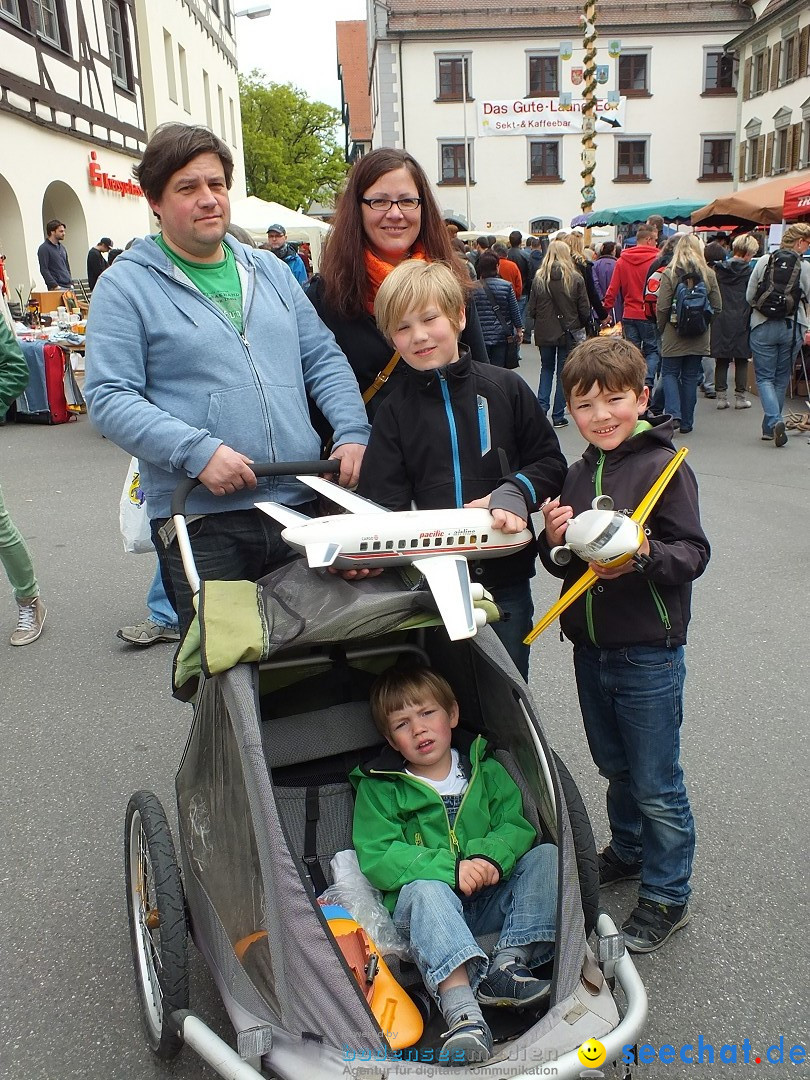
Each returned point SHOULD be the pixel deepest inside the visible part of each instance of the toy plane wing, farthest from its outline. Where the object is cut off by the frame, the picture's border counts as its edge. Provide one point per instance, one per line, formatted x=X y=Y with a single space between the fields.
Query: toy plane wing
x=342 y=496
x=283 y=514
x=449 y=579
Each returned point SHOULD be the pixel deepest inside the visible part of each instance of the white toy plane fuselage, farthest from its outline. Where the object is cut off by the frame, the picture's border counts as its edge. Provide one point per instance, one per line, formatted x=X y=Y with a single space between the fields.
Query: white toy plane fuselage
x=437 y=542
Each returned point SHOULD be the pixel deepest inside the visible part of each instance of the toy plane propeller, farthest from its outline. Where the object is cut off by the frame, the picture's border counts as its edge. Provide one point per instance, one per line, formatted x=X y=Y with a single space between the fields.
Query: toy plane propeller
x=599 y=537
x=437 y=542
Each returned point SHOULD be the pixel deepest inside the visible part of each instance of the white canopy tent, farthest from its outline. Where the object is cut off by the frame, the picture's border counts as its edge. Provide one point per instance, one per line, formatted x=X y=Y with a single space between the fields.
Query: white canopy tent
x=254 y=215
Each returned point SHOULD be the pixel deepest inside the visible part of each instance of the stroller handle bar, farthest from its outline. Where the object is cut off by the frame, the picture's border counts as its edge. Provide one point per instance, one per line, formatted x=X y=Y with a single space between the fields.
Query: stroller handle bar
x=189 y=483
x=270 y=468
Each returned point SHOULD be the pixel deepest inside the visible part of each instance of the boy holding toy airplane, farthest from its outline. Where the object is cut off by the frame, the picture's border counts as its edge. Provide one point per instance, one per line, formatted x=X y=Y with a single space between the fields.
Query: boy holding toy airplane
x=629 y=631
x=460 y=433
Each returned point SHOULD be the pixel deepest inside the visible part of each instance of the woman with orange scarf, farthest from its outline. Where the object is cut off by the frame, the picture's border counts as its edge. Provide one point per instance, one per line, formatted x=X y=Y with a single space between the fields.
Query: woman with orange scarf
x=386 y=214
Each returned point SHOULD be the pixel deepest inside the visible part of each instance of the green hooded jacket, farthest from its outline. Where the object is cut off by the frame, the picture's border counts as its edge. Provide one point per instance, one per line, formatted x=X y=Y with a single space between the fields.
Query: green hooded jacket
x=13 y=368
x=402 y=832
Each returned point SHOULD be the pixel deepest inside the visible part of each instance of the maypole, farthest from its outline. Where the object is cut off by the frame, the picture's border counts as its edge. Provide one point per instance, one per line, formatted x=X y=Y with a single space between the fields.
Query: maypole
x=588 y=157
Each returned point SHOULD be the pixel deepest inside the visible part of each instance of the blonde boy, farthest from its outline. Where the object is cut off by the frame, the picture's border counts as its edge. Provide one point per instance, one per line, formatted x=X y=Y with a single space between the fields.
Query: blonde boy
x=438 y=439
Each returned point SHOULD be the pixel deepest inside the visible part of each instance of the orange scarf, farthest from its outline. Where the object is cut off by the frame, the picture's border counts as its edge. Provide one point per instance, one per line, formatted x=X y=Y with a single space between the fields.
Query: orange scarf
x=377 y=270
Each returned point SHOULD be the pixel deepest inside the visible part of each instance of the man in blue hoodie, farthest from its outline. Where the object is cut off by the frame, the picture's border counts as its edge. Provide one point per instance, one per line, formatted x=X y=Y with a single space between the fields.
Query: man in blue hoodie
x=201 y=354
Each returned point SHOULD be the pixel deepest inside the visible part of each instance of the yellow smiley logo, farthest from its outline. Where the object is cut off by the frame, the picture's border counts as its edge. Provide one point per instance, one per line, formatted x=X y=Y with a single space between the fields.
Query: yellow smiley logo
x=592 y=1053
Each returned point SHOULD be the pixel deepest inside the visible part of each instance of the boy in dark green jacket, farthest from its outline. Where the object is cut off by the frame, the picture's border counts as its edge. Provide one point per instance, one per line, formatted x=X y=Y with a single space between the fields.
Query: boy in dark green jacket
x=440 y=830
x=14 y=554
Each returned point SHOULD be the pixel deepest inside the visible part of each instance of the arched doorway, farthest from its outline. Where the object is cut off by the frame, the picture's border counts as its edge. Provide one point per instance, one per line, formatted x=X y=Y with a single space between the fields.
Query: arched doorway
x=12 y=241
x=61 y=201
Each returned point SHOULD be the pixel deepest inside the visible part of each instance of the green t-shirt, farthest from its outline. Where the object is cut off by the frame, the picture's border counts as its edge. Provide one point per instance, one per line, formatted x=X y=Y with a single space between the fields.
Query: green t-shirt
x=218 y=281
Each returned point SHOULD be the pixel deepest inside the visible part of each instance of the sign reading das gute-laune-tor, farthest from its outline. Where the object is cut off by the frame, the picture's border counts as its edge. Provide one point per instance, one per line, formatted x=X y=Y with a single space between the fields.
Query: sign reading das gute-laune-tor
x=546 y=116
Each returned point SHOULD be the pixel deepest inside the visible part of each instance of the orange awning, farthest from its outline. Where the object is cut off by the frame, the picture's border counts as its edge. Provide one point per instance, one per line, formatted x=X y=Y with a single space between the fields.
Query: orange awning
x=757 y=205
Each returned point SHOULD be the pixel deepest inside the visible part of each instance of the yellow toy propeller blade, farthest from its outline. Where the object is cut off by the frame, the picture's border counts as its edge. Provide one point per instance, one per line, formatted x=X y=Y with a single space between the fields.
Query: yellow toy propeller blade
x=640 y=515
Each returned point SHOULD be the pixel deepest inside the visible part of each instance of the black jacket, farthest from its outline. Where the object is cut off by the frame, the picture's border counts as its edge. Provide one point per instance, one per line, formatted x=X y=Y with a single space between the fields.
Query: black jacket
x=730 y=327
x=96 y=265
x=651 y=607
x=521 y=260
x=411 y=456
x=368 y=352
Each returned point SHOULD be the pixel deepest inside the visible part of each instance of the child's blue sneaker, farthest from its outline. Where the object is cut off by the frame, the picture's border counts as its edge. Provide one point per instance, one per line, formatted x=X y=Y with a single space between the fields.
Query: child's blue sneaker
x=467 y=1041
x=512 y=985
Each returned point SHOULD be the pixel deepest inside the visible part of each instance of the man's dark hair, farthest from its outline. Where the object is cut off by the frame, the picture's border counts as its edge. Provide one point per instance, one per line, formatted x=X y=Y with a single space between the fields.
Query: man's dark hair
x=487 y=265
x=171 y=147
x=515 y=237
x=500 y=250
x=52 y=226
x=491 y=239
x=483 y=242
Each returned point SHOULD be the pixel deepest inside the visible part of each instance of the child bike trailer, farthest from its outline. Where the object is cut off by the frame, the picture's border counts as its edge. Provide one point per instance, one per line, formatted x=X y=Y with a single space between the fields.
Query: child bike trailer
x=264 y=802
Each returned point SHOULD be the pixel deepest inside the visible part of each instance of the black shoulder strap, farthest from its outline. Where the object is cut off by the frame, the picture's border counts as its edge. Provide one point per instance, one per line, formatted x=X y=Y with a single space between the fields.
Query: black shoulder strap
x=496 y=307
x=310 y=856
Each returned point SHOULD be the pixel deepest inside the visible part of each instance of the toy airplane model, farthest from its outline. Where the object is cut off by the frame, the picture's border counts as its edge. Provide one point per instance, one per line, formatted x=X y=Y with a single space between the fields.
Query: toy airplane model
x=600 y=535
x=602 y=543
x=437 y=542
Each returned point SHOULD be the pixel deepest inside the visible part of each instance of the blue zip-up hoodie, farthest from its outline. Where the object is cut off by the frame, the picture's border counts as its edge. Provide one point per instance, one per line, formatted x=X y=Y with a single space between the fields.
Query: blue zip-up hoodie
x=170 y=379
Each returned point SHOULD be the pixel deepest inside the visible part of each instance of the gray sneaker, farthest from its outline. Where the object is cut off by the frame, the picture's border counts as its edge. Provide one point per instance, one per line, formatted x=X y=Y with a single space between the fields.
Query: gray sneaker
x=741 y=401
x=148 y=633
x=30 y=617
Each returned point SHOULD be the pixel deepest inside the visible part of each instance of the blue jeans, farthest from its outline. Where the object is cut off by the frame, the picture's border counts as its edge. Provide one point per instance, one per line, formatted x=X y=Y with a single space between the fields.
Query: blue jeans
x=516 y=600
x=160 y=608
x=643 y=334
x=774 y=345
x=232 y=546
x=552 y=358
x=441 y=925
x=679 y=375
x=632 y=707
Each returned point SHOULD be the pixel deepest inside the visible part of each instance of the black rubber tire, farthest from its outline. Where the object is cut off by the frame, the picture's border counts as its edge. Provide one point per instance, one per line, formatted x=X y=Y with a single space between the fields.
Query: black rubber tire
x=149 y=851
x=587 y=860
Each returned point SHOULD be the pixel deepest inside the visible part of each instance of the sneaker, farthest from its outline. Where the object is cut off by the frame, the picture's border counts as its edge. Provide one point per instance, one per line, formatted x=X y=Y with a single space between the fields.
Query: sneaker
x=612 y=869
x=147 y=633
x=779 y=433
x=30 y=617
x=722 y=402
x=652 y=924
x=468 y=1040
x=740 y=402
x=512 y=985
x=563 y=422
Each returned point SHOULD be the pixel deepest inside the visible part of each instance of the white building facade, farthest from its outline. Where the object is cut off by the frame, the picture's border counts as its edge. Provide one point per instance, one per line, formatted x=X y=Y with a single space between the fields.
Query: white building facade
x=774 y=102
x=435 y=63
x=82 y=83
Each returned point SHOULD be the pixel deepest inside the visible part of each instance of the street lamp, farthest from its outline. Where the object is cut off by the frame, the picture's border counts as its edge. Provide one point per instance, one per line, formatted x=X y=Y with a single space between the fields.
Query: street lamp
x=254 y=11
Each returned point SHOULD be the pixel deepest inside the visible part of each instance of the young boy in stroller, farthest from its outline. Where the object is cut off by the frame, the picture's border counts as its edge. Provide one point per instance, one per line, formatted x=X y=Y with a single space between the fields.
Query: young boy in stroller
x=438 y=828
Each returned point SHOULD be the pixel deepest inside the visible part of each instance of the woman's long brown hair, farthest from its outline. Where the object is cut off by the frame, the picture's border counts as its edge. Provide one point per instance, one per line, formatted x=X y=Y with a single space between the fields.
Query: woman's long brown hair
x=343 y=266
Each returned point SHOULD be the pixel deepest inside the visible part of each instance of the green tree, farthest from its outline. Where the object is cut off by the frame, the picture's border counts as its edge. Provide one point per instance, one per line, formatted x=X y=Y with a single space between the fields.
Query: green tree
x=291 y=151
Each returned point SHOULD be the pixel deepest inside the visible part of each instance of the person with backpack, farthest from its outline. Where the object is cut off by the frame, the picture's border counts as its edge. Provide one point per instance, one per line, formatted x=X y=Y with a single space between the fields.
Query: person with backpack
x=628 y=283
x=688 y=298
x=730 y=341
x=777 y=291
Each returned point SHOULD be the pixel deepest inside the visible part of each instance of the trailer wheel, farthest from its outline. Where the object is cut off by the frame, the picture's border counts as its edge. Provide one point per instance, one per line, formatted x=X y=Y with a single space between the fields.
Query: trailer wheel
x=157 y=921
x=584 y=844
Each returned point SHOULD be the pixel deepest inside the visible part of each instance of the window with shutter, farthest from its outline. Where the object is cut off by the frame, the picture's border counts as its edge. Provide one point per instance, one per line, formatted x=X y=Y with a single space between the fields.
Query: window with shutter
x=767 y=167
x=776 y=59
x=804 y=51
x=741 y=174
x=749 y=63
x=796 y=157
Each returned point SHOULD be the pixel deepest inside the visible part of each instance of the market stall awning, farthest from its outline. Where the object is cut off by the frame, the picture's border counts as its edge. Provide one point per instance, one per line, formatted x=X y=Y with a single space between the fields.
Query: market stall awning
x=797 y=202
x=757 y=205
x=670 y=210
